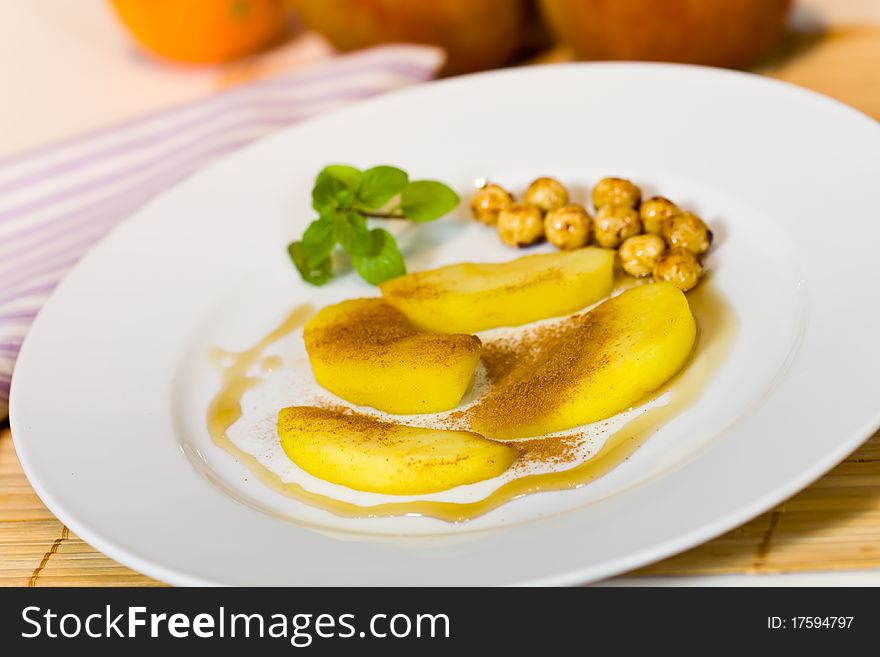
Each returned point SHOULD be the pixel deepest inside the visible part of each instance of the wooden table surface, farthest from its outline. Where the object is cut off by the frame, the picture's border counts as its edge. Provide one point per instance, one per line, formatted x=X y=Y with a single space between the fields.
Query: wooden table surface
x=833 y=524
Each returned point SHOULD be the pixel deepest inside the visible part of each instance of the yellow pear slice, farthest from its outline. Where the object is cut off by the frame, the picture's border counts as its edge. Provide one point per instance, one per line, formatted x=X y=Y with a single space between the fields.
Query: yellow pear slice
x=381 y=457
x=368 y=352
x=587 y=368
x=470 y=297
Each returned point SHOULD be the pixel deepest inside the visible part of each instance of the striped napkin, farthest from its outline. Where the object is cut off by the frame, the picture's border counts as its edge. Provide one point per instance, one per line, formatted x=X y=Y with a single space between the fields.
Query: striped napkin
x=57 y=202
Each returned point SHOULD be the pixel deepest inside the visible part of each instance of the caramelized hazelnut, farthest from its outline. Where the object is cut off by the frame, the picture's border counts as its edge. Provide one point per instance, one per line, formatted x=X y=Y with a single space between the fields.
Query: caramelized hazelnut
x=679 y=267
x=488 y=201
x=567 y=227
x=639 y=254
x=613 y=224
x=546 y=194
x=520 y=225
x=654 y=210
x=688 y=231
x=617 y=192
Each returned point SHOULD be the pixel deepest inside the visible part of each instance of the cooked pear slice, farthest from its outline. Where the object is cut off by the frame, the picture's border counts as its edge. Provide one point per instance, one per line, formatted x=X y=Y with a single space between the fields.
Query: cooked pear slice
x=587 y=368
x=470 y=297
x=368 y=352
x=380 y=457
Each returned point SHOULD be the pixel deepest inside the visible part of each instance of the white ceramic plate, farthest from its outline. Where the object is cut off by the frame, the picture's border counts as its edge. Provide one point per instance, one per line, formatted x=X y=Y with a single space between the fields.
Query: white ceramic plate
x=109 y=396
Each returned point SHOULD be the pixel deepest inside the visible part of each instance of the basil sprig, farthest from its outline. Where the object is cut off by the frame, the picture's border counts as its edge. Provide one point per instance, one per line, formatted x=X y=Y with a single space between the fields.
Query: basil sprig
x=345 y=198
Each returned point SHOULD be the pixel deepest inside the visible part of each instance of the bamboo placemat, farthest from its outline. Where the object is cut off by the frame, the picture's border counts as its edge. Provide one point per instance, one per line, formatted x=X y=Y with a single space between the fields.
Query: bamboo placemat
x=833 y=524
x=36 y=549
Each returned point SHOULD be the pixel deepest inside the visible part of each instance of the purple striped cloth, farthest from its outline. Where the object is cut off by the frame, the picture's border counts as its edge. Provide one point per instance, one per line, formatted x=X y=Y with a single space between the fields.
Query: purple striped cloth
x=55 y=203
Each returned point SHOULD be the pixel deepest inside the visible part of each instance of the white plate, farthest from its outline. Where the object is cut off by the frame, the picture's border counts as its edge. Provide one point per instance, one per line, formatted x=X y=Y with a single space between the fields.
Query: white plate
x=109 y=396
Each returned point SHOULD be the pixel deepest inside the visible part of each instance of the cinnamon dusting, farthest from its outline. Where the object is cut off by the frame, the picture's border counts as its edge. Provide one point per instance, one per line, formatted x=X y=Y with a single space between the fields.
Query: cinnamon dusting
x=373 y=328
x=718 y=326
x=531 y=372
x=553 y=450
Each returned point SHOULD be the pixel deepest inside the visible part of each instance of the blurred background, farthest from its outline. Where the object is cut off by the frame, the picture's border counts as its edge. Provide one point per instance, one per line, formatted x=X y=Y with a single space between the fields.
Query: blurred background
x=70 y=66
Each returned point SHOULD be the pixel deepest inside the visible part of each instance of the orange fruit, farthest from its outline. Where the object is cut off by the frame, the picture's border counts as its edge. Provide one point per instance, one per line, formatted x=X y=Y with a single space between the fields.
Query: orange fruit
x=203 y=31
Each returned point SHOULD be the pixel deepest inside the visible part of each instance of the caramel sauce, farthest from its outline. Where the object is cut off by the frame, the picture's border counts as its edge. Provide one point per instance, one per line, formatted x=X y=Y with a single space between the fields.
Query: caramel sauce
x=270 y=363
x=716 y=329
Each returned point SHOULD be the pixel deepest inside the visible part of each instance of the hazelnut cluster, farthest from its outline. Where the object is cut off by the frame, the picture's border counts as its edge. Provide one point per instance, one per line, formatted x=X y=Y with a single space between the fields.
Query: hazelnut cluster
x=653 y=237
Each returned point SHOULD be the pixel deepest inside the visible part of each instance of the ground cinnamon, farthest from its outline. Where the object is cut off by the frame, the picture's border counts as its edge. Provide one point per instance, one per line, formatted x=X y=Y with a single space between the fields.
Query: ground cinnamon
x=372 y=328
x=531 y=372
x=553 y=450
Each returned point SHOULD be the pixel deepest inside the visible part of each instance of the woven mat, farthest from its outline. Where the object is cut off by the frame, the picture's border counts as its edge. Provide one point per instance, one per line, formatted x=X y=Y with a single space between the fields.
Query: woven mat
x=36 y=549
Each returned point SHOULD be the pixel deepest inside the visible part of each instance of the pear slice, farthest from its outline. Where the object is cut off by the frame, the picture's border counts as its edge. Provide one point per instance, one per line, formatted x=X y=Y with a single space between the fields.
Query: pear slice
x=470 y=297
x=368 y=352
x=588 y=367
x=381 y=457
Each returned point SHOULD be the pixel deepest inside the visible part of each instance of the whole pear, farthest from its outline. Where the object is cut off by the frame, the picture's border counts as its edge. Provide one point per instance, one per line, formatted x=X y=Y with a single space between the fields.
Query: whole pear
x=729 y=33
x=476 y=34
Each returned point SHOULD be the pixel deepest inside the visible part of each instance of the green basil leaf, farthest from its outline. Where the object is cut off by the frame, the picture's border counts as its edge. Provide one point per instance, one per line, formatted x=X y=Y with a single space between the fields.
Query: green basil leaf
x=334 y=188
x=348 y=175
x=379 y=185
x=426 y=200
x=325 y=191
x=383 y=261
x=315 y=274
x=319 y=239
x=352 y=233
